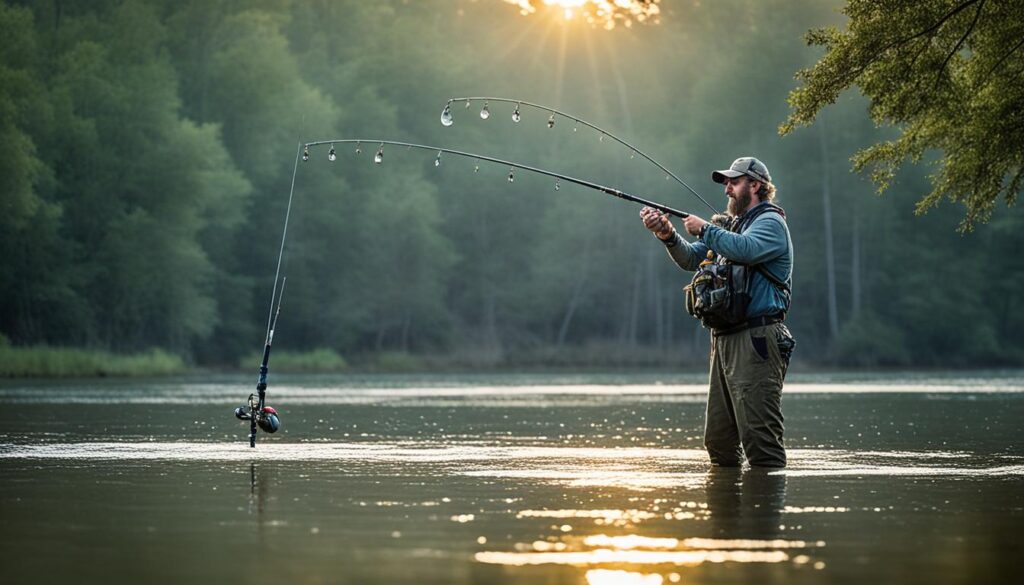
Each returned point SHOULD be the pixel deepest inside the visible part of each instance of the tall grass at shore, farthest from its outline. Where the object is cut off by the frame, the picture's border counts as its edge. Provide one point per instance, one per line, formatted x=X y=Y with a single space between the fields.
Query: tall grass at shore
x=315 y=361
x=42 y=361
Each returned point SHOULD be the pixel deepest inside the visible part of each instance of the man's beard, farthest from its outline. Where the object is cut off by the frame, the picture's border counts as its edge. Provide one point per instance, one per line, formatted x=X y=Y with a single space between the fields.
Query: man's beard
x=739 y=203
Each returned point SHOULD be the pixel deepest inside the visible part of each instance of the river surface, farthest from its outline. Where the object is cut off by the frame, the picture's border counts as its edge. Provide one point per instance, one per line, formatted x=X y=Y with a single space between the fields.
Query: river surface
x=595 y=480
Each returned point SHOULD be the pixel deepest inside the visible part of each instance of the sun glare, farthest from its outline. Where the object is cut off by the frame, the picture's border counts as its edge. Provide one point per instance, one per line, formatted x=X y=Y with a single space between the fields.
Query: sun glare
x=604 y=13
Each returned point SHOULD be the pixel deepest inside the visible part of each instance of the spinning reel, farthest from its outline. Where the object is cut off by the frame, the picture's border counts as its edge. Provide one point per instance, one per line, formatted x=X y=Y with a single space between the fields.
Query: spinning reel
x=266 y=417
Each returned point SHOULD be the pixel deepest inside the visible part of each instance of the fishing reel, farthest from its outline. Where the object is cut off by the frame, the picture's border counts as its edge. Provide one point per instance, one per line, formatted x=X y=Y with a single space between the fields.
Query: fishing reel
x=266 y=417
x=268 y=420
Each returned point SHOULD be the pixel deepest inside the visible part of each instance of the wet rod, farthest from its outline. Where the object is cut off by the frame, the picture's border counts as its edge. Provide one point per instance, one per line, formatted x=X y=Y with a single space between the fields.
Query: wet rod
x=378 y=158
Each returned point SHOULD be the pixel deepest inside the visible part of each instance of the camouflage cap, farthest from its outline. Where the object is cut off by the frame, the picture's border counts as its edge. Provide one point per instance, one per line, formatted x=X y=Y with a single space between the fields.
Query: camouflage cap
x=746 y=165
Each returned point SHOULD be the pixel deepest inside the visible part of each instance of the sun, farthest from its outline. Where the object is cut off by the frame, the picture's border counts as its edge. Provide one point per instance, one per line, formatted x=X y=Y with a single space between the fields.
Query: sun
x=604 y=13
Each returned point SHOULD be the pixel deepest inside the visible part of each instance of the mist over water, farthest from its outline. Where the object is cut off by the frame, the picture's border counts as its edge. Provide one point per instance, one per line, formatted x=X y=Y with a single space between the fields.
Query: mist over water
x=465 y=479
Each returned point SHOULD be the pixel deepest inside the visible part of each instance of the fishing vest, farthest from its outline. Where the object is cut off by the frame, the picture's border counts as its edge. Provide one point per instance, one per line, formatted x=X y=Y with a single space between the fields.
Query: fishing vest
x=719 y=292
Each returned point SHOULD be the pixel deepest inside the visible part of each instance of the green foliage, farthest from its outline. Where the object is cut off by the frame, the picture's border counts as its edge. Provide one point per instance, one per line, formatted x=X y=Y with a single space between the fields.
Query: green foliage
x=947 y=74
x=113 y=253
x=36 y=281
x=396 y=361
x=869 y=341
x=56 y=362
x=146 y=154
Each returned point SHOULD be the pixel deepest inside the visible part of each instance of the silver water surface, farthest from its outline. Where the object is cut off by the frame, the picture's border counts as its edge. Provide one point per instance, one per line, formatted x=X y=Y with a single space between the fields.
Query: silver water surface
x=518 y=479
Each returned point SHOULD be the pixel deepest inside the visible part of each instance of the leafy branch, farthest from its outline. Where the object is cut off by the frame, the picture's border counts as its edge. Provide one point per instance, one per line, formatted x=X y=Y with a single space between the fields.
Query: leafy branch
x=962 y=114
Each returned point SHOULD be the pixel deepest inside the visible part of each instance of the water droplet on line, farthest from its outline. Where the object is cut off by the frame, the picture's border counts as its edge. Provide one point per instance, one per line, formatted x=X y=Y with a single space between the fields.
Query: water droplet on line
x=305 y=153
x=446 y=116
x=601 y=139
x=485 y=112
x=516 y=116
x=467 y=104
x=332 y=155
x=557 y=184
x=358 y=149
x=437 y=161
x=379 y=157
x=511 y=175
x=551 y=121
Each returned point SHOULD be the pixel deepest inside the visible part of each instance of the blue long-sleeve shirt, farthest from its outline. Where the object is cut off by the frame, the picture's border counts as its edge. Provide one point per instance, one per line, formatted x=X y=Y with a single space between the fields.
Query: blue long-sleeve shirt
x=764 y=241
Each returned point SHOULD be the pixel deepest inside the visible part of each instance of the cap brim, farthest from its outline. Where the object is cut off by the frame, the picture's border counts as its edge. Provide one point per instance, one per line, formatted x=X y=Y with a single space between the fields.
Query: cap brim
x=720 y=176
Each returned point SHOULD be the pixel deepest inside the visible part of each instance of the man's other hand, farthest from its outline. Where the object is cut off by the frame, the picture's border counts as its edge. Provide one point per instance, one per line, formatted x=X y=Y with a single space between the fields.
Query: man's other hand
x=693 y=225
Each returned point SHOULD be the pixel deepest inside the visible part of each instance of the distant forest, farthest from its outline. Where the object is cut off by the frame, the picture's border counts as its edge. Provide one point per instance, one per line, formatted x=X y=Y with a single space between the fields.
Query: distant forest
x=147 y=148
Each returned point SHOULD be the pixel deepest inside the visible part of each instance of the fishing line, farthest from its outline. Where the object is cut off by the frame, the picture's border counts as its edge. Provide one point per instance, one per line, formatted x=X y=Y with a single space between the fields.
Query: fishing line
x=447 y=119
x=280 y=253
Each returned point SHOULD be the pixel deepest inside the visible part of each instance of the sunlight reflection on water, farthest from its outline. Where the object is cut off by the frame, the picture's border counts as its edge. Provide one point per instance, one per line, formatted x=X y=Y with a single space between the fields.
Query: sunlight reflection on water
x=611 y=577
x=630 y=468
x=604 y=556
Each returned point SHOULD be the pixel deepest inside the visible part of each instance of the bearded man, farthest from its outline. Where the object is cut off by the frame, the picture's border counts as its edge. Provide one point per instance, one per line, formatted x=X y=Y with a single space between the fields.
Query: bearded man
x=749 y=359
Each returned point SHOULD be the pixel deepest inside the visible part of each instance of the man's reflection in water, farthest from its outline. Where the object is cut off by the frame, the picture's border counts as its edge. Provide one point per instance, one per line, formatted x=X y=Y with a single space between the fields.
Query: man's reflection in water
x=745 y=503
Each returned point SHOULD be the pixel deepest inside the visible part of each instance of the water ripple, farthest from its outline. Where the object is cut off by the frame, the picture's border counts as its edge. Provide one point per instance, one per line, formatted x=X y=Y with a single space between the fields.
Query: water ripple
x=636 y=468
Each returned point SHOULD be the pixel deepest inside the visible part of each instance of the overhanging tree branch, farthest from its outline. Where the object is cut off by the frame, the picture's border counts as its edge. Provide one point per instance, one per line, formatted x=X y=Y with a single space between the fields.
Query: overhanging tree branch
x=1002 y=59
x=849 y=78
x=960 y=43
x=945 y=62
x=903 y=79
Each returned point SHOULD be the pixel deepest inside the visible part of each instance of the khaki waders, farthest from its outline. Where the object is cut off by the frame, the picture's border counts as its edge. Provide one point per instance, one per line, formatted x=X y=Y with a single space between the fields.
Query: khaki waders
x=744 y=412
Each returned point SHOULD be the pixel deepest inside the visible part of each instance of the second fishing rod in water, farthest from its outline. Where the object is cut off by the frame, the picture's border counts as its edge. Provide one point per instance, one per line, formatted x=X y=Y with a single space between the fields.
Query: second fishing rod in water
x=262 y=417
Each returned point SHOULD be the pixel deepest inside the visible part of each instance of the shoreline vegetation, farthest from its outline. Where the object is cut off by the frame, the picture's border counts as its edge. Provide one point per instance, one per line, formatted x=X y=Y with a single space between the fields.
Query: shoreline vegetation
x=43 y=361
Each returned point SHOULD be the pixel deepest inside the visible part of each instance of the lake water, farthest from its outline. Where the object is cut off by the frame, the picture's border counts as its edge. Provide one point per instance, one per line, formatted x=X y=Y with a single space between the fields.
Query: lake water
x=597 y=479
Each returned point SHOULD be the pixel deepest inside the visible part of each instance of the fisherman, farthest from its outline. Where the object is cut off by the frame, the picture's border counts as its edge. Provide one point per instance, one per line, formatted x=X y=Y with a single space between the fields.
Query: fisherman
x=749 y=358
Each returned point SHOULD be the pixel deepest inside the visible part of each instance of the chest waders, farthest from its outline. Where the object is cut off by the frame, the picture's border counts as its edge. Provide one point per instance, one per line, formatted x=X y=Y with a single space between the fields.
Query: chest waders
x=749 y=358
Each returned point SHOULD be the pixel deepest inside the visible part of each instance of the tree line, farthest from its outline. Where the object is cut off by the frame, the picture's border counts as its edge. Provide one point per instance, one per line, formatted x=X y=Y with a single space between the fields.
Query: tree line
x=147 y=148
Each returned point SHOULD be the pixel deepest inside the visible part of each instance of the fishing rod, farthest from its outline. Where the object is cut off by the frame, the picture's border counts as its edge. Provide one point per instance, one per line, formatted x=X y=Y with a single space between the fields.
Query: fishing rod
x=256 y=410
x=259 y=414
x=447 y=119
x=332 y=155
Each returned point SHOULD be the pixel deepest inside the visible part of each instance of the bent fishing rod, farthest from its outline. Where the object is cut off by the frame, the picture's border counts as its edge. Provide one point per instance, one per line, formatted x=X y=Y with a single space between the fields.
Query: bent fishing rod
x=378 y=158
